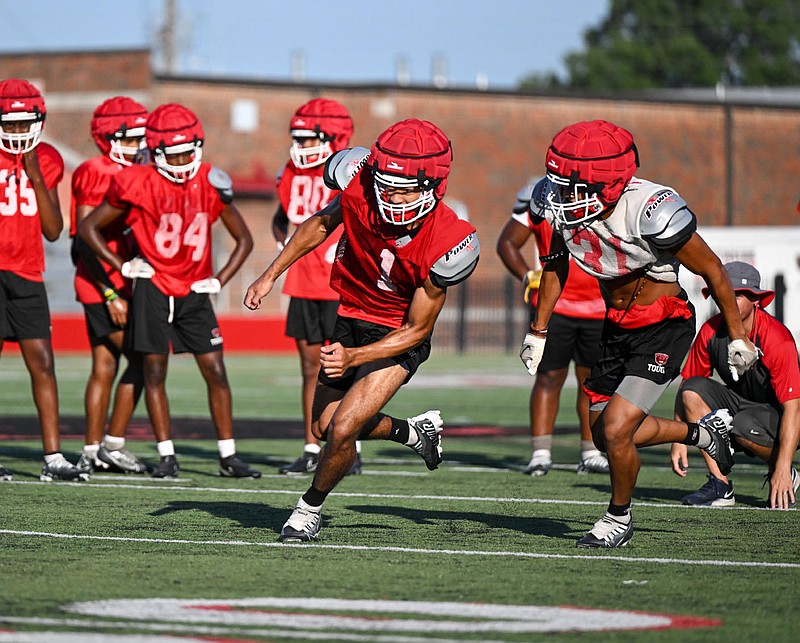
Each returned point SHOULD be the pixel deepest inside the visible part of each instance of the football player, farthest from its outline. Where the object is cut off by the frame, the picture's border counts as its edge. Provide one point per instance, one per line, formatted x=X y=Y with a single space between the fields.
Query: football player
x=631 y=234
x=400 y=250
x=575 y=330
x=117 y=128
x=318 y=128
x=30 y=172
x=170 y=207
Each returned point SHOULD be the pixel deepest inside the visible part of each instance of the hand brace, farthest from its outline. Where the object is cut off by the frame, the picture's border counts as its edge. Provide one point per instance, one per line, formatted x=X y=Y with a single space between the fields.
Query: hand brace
x=137 y=268
x=741 y=358
x=531 y=281
x=210 y=286
x=532 y=351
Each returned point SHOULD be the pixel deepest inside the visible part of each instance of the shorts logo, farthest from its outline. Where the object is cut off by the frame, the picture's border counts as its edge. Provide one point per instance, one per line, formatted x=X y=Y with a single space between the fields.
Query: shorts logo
x=658 y=367
x=216 y=337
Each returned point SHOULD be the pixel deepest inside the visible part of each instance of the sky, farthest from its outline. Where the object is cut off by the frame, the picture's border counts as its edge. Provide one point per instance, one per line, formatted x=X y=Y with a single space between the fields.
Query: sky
x=471 y=43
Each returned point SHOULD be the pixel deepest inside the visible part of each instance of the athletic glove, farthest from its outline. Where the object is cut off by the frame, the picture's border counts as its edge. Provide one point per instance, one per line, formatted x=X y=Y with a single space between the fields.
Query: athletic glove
x=210 y=286
x=137 y=268
x=531 y=281
x=741 y=358
x=532 y=351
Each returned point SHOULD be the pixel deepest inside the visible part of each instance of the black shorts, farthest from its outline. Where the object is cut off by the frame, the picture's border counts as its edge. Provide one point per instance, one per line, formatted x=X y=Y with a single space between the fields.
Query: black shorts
x=354 y=332
x=755 y=422
x=158 y=320
x=311 y=319
x=24 y=313
x=654 y=353
x=571 y=339
x=98 y=323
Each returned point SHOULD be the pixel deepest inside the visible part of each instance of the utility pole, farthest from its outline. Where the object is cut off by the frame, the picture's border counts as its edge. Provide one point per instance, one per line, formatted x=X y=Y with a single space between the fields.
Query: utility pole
x=167 y=37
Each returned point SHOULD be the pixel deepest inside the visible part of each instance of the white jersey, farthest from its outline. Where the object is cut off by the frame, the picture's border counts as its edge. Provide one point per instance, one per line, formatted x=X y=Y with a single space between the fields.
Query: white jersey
x=649 y=221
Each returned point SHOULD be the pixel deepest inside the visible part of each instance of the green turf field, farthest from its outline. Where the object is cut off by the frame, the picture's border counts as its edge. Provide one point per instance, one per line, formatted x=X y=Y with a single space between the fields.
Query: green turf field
x=475 y=551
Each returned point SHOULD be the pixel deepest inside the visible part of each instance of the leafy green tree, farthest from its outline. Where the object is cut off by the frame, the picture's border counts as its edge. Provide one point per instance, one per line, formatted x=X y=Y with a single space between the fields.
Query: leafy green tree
x=645 y=44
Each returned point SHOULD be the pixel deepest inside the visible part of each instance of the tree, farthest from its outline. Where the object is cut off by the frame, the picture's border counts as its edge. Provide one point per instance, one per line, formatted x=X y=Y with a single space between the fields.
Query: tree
x=644 y=44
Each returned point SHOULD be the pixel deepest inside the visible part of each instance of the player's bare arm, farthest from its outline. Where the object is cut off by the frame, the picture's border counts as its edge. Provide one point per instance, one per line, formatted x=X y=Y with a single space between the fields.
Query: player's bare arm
x=512 y=238
x=425 y=307
x=781 y=491
x=237 y=228
x=310 y=234
x=89 y=231
x=555 y=271
x=47 y=200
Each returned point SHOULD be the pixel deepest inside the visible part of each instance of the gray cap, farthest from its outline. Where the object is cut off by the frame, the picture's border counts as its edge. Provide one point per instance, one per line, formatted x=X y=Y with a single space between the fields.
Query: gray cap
x=745 y=277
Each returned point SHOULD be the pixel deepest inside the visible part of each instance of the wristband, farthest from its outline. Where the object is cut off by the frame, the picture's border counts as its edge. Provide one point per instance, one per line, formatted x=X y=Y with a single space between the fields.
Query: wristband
x=109 y=294
x=538 y=333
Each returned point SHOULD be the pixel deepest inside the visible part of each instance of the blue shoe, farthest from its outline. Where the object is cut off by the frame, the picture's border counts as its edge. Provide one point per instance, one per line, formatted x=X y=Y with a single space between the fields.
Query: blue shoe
x=714 y=493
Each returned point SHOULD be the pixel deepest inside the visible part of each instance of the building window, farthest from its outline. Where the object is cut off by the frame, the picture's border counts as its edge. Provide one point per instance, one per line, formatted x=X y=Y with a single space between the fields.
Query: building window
x=244 y=115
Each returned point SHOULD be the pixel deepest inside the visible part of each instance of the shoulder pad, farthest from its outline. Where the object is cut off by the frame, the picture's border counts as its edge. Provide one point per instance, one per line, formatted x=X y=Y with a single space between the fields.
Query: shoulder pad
x=536 y=206
x=666 y=220
x=457 y=264
x=222 y=182
x=523 y=201
x=341 y=167
x=279 y=175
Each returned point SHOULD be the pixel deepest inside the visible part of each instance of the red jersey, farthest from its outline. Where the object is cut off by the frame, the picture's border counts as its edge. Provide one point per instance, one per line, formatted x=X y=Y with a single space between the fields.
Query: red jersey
x=302 y=193
x=21 y=247
x=774 y=379
x=171 y=223
x=581 y=296
x=90 y=182
x=377 y=272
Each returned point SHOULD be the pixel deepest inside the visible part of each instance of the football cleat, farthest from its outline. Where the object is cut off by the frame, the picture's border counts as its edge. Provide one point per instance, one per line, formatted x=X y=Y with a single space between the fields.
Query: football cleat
x=167 y=467
x=608 y=532
x=306 y=463
x=718 y=425
x=355 y=469
x=795 y=485
x=89 y=464
x=593 y=462
x=714 y=493
x=62 y=469
x=5 y=474
x=428 y=426
x=121 y=460
x=303 y=526
x=539 y=465
x=234 y=467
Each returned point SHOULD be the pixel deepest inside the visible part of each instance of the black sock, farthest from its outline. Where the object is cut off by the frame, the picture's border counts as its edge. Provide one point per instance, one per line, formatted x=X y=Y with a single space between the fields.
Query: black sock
x=619 y=510
x=400 y=431
x=693 y=434
x=314 y=496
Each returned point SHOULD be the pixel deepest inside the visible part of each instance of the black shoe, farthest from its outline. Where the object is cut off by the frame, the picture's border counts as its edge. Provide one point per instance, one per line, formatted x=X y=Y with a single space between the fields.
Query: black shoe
x=5 y=474
x=167 y=467
x=718 y=424
x=121 y=460
x=713 y=493
x=355 y=470
x=306 y=463
x=428 y=426
x=608 y=532
x=233 y=467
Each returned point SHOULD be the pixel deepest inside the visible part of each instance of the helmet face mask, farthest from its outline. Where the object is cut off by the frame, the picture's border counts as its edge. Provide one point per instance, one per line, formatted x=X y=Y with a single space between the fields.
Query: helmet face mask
x=20 y=104
x=325 y=121
x=175 y=136
x=410 y=164
x=588 y=165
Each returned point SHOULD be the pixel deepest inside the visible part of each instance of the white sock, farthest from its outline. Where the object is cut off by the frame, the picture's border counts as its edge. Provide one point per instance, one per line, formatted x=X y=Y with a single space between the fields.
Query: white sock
x=54 y=457
x=113 y=443
x=226 y=448
x=90 y=450
x=312 y=448
x=358 y=446
x=165 y=448
x=542 y=454
x=703 y=438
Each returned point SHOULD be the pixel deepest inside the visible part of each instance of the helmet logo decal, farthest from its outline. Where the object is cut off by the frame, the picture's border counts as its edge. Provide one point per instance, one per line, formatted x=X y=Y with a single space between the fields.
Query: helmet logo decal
x=394 y=166
x=17 y=104
x=178 y=137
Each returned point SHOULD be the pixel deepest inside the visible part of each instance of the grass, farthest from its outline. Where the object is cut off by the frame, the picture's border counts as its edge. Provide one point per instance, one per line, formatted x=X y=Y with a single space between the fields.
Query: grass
x=476 y=533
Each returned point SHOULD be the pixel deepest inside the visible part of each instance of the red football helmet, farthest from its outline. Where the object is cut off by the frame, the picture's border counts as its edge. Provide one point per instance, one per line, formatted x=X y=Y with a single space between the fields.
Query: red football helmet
x=326 y=121
x=119 y=118
x=588 y=166
x=411 y=155
x=20 y=102
x=175 y=129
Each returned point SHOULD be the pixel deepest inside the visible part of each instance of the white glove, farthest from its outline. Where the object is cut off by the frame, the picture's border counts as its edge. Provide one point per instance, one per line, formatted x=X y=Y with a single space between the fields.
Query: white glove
x=532 y=351
x=210 y=286
x=137 y=268
x=740 y=358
